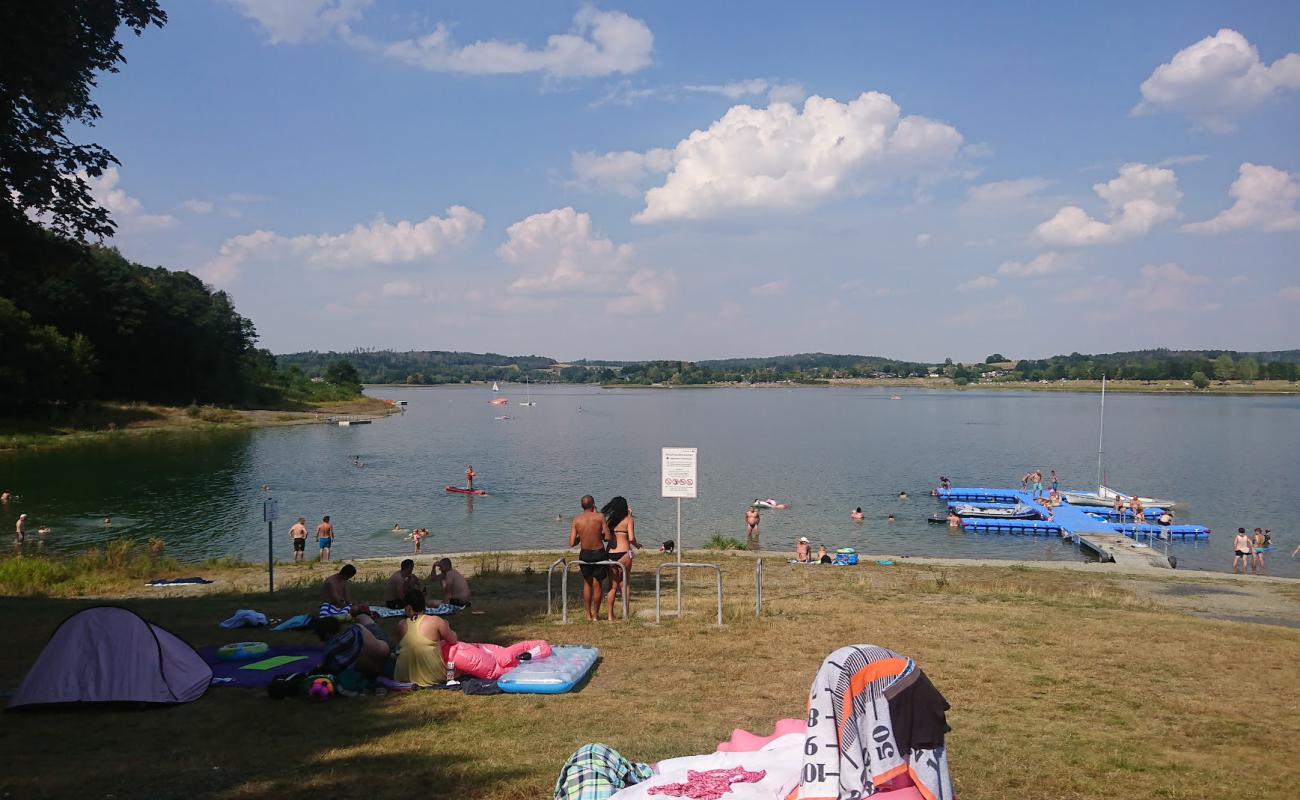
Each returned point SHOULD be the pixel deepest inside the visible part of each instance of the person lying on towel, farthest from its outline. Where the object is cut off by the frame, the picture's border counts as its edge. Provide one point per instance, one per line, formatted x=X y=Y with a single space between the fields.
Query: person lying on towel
x=360 y=645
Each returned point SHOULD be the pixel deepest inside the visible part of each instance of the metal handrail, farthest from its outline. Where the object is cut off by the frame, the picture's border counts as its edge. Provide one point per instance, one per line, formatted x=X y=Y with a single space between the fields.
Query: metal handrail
x=550 y=572
x=680 y=565
x=758 y=588
x=564 y=586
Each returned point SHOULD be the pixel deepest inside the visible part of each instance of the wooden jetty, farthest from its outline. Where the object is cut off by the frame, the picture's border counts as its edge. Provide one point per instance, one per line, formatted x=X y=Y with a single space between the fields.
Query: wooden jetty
x=1118 y=549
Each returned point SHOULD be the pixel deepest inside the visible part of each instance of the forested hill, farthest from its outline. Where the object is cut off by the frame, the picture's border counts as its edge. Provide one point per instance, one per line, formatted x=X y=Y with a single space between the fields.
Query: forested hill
x=426 y=366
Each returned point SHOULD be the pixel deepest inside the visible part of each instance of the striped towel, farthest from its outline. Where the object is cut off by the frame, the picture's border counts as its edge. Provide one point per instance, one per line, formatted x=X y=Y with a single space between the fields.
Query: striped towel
x=331 y=610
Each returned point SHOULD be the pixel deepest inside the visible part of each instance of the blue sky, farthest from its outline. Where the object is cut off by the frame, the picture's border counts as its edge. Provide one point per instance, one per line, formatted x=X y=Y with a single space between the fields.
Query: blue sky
x=661 y=180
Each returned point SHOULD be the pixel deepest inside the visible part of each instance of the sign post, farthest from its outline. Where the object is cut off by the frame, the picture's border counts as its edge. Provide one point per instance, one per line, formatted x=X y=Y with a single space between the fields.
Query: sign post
x=679 y=480
x=270 y=508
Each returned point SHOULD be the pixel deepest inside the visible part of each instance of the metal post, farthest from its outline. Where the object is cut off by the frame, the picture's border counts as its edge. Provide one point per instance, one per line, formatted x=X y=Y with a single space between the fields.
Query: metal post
x=679 y=566
x=550 y=573
x=679 y=558
x=758 y=588
x=270 y=558
x=1101 y=433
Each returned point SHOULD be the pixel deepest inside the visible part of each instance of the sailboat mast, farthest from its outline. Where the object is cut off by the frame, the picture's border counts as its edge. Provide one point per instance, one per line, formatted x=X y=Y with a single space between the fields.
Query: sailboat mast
x=1101 y=434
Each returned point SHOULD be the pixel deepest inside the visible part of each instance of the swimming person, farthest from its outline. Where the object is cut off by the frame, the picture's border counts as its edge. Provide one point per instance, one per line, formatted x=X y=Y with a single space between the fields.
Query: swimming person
x=402 y=585
x=890 y=519
x=1257 y=549
x=417 y=536
x=752 y=518
x=298 y=533
x=902 y=495
x=455 y=589
x=856 y=516
x=1165 y=518
x=1241 y=550
x=419 y=657
x=954 y=521
x=803 y=551
x=325 y=537
x=469 y=477
x=589 y=533
x=618 y=516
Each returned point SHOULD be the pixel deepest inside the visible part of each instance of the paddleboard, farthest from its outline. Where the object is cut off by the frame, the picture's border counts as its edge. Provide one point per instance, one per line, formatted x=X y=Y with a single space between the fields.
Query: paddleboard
x=460 y=490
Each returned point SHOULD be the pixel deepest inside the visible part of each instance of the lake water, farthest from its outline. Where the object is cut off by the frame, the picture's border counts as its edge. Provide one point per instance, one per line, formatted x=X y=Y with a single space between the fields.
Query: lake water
x=824 y=451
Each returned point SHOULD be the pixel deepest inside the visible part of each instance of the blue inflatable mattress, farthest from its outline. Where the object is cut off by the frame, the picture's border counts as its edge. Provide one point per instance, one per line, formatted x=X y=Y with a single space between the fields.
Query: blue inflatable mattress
x=558 y=673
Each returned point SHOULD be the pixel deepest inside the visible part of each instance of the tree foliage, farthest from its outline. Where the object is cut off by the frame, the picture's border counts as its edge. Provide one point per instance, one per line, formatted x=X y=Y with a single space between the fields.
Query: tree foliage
x=50 y=54
x=40 y=365
x=1200 y=380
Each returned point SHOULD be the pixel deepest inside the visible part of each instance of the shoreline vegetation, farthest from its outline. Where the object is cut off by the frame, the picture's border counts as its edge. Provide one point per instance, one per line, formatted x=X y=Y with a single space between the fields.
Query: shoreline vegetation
x=1078 y=682
x=51 y=428
x=1154 y=371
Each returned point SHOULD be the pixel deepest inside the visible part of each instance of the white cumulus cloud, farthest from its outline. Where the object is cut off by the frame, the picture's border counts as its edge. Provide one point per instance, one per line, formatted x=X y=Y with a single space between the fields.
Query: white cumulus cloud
x=997 y=195
x=198 y=206
x=559 y=252
x=599 y=43
x=623 y=171
x=1039 y=266
x=296 y=21
x=1264 y=198
x=126 y=211
x=1217 y=79
x=380 y=242
x=782 y=157
x=922 y=240
x=1141 y=197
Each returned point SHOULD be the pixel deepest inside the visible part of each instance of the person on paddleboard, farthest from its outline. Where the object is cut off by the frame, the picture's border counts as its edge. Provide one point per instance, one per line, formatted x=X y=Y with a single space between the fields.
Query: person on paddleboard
x=469 y=478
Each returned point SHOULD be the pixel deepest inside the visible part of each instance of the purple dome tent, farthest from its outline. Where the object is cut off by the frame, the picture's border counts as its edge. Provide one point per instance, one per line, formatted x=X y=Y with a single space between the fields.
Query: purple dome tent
x=108 y=654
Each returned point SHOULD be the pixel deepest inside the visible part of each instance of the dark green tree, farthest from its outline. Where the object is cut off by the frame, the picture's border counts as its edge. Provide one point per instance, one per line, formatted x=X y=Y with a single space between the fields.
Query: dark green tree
x=51 y=52
x=1224 y=368
x=1200 y=381
x=1247 y=369
x=996 y=358
x=342 y=373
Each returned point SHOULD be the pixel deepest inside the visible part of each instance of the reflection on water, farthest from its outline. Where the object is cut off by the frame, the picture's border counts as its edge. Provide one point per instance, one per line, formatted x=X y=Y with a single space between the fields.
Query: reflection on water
x=824 y=451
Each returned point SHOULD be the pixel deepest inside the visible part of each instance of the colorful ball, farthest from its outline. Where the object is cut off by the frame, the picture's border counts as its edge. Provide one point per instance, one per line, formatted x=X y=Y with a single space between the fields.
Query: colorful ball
x=321 y=689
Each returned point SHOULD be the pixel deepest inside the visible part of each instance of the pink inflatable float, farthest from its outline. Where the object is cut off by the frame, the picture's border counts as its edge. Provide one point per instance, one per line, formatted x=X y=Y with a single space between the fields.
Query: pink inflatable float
x=490 y=661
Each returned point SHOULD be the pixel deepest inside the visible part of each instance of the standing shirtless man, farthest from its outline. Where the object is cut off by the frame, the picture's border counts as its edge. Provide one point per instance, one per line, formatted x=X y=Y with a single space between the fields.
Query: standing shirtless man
x=325 y=538
x=752 y=519
x=298 y=533
x=589 y=533
x=1241 y=551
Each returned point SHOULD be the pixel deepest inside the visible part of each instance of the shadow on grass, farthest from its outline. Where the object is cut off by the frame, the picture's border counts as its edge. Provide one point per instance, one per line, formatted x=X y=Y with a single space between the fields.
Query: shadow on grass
x=58 y=419
x=235 y=743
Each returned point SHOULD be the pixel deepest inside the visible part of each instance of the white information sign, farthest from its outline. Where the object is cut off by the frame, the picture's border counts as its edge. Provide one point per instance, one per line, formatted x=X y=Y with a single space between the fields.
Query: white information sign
x=270 y=509
x=679 y=478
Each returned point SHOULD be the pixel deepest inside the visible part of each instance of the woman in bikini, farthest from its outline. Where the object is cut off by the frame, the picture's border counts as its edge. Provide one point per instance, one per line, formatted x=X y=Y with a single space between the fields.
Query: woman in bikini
x=618 y=515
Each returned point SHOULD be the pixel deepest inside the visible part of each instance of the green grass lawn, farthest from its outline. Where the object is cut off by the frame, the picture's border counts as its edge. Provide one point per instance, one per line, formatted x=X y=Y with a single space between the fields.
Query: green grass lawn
x=1062 y=686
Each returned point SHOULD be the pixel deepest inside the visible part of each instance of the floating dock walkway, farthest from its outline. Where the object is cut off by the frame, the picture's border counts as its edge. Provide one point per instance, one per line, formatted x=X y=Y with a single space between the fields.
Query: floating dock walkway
x=1097 y=530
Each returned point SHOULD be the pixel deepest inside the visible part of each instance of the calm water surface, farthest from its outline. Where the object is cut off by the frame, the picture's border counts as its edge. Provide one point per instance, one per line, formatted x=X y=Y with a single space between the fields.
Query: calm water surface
x=825 y=451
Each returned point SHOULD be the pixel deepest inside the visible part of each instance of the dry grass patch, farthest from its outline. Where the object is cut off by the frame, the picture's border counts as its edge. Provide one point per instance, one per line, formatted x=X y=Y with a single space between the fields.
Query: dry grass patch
x=1062 y=685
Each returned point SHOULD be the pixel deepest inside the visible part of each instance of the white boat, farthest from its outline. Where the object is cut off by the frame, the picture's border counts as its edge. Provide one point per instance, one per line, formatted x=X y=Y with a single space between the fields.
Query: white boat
x=529 y=390
x=1105 y=498
x=495 y=388
x=1019 y=511
x=1147 y=502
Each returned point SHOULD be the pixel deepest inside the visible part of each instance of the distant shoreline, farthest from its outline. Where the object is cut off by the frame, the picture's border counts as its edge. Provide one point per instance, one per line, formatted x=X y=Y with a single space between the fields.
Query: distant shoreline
x=1266 y=388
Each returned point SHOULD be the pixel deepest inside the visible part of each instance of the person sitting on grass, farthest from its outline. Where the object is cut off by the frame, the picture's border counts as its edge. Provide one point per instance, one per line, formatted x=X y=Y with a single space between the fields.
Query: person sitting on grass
x=401 y=584
x=455 y=589
x=419 y=659
x=803 y=551
x=334 y=600
x=823 y=557
x=361 y=646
